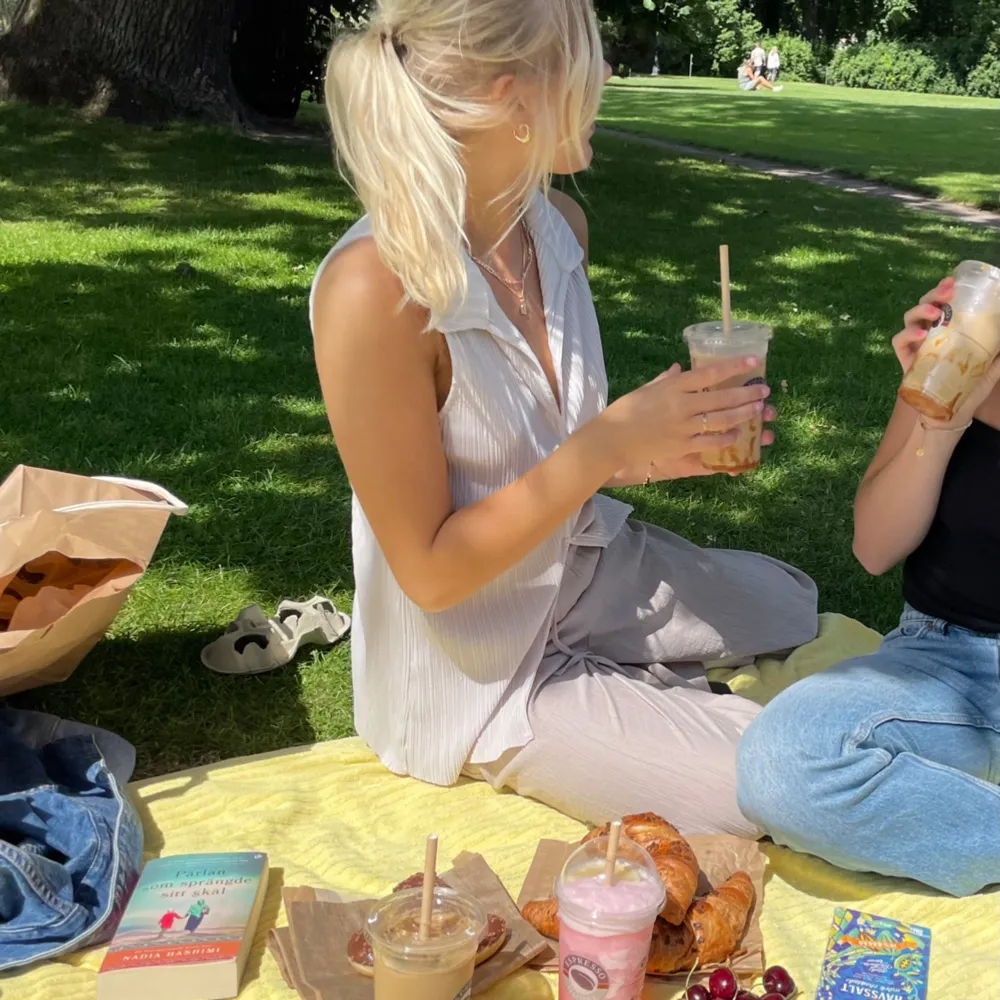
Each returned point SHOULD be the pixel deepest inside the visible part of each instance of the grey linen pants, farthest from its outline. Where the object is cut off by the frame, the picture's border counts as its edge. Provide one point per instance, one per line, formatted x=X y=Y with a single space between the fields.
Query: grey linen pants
x=621 y=712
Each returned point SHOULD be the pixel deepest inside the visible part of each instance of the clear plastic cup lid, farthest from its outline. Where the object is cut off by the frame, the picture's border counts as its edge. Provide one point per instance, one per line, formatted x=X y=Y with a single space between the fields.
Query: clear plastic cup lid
x=978 y=285
x=713 y=332
x=456 y=917
x=977 y=267
x=634 y=896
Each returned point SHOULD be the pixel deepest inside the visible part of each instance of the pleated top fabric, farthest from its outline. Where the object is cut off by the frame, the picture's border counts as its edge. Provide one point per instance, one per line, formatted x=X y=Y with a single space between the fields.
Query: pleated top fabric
x=433 y=691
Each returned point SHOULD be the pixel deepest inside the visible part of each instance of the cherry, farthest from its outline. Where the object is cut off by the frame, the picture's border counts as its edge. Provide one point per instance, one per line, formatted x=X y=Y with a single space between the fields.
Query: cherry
x=722 y=985
x=697 y=992
x=772 y=996
x=777 y=980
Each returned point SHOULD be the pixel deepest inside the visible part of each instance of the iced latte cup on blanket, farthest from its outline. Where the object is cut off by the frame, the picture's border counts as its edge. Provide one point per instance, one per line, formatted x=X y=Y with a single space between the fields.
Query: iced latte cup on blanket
x=440 y=967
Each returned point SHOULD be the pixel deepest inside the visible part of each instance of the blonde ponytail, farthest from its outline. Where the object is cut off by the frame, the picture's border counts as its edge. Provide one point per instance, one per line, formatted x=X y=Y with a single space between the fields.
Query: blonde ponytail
x=401 y=92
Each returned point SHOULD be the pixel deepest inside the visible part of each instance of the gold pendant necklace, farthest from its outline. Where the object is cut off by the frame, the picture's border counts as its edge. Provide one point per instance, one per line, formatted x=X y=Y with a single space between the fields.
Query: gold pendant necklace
x=517 y=287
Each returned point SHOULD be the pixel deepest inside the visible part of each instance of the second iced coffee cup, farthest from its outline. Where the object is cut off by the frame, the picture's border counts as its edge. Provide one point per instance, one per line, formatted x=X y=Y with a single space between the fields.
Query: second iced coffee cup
x=709 y=343
x=960 y=348
x=605 y=926
x=438 y=968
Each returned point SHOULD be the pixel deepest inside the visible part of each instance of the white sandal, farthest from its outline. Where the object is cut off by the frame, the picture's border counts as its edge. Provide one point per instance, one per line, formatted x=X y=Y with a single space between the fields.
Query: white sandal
x=253 y=644
x=315 y=616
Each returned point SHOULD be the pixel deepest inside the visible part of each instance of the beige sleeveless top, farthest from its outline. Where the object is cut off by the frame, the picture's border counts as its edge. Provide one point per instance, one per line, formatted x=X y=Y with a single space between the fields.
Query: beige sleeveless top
x=434 y=691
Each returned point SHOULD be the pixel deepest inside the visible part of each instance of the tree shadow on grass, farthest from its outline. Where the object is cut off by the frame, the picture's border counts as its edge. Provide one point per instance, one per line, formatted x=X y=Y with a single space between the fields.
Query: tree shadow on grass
x=201 y=377
x=154 y=325
x=153 y=690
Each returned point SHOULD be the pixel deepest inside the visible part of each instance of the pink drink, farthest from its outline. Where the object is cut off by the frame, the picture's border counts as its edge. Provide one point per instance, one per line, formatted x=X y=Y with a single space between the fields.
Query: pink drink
x=605 y=929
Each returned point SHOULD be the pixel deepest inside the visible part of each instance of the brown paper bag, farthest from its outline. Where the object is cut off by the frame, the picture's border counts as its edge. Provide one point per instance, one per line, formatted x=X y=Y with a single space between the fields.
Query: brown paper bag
x=279 y=944
x=71 y=548
x=473 y=875
x=279 y=939
x=719 y=856
x=319 y=932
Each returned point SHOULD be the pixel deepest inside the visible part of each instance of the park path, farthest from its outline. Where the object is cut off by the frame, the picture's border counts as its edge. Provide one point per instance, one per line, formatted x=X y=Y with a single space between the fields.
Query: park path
x=826 y=178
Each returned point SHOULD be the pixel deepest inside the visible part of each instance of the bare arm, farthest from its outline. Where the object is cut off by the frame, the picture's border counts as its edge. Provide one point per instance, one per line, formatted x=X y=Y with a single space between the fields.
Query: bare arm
x=378 y=383
x=899 y=494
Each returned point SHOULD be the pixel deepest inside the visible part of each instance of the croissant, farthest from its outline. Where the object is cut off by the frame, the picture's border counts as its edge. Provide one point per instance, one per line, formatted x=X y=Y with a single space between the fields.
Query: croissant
x=50 y=570
x=705 y=931
x=709 y=934
x=717 y=921
x=671 y=949
x=543 y=915
x=672 y=855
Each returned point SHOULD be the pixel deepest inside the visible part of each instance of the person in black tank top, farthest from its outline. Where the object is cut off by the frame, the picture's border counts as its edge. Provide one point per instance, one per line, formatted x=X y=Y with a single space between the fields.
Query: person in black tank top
x=890 y=763
x=952 y=574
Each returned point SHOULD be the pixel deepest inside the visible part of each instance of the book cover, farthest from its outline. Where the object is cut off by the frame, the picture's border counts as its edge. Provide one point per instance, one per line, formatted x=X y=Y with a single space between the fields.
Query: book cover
x=188 y=910
x=874 y=958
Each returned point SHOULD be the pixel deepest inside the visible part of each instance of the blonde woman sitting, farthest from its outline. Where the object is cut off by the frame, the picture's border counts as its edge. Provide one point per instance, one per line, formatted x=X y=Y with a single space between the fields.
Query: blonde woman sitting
x=511 y=621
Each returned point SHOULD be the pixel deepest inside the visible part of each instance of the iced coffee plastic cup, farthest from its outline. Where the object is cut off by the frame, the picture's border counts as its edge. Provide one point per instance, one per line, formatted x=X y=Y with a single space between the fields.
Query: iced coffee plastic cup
x=439 y=968
x=709 y=344
x=959 y=349
x=605 y=927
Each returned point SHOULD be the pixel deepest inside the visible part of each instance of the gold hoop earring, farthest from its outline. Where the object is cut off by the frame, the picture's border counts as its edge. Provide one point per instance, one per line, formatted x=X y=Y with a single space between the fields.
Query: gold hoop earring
x=523 y=133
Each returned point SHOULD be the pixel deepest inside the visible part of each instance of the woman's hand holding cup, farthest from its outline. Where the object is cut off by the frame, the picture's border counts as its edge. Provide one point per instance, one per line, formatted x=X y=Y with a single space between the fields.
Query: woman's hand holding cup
x=917 y=323
x=668 y=422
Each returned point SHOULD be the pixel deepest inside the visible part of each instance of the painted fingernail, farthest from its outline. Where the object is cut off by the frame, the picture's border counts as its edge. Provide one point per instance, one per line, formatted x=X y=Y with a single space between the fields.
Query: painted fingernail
x=767 y=391
x=759 y=407
x=752 y=362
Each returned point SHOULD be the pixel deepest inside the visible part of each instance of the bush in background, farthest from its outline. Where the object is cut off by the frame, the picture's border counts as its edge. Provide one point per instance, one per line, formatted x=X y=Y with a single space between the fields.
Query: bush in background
x=734 y=32
x=798 y=59
x=984 y=80
x=891 y=66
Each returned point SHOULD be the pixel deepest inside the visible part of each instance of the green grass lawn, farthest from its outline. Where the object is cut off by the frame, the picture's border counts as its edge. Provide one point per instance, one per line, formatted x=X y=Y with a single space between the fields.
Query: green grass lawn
x=116 y=362
x=947 y=146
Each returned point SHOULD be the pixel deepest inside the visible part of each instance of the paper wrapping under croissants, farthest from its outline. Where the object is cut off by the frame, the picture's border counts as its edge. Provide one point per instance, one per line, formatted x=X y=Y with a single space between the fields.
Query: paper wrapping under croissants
x=709 y=928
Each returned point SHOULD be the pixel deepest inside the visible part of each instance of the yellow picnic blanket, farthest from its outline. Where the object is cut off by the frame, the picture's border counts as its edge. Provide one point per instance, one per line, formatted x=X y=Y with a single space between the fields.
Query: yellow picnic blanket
x=839 y=638
x=331 y=816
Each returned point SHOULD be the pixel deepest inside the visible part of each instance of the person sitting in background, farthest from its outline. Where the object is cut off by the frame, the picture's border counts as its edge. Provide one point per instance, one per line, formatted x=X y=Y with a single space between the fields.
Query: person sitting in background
x=749 y=79
x=773 y=64
x=890 y=763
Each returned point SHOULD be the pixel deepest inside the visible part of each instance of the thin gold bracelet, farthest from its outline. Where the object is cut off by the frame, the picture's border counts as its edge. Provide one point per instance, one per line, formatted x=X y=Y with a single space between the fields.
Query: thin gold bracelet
x=947 y=430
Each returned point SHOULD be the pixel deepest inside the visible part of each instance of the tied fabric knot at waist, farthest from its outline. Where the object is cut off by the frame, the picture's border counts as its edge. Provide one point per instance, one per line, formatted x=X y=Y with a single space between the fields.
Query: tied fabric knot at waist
x=658 y=675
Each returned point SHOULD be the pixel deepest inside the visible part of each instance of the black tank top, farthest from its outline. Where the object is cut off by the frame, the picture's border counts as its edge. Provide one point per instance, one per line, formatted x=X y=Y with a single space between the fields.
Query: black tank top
x=955 y=572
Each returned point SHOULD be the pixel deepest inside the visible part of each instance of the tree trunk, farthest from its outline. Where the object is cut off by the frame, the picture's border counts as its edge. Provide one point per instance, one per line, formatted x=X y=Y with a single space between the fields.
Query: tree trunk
x=146 y=60
x=810 y=19
x=269 y=63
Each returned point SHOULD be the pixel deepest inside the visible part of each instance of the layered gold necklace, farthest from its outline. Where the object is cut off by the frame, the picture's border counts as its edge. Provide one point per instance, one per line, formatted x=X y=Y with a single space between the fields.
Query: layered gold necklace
x=527 y=257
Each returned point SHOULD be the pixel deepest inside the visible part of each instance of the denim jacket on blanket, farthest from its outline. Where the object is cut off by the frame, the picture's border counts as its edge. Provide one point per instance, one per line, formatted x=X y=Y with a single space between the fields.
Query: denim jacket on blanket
x=70 y=840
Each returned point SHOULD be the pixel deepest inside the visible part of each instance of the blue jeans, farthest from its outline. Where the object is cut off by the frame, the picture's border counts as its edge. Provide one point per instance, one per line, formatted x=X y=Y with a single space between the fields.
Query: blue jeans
x=70 y=840
x=888 y=763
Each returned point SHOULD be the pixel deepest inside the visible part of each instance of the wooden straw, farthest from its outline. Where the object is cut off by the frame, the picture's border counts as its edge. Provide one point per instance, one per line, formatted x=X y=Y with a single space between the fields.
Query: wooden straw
x=430 y=875
x=612 y=856
x=727 y=308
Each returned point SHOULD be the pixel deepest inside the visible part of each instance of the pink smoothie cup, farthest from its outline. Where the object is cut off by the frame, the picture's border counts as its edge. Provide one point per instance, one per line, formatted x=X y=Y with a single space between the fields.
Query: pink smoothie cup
x=605 y=927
